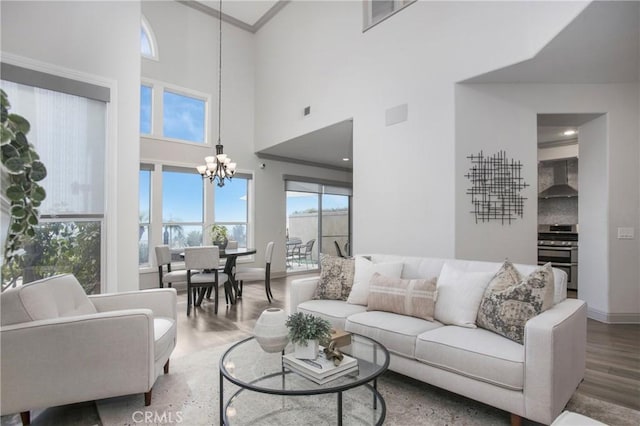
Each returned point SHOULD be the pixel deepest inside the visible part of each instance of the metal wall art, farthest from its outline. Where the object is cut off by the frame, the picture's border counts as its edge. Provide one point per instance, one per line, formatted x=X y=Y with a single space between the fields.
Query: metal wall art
x=496 y=183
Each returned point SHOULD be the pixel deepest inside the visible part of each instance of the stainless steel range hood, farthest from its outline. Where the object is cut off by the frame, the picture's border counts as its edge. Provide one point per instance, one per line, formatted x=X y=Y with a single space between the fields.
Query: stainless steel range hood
x=560 y=187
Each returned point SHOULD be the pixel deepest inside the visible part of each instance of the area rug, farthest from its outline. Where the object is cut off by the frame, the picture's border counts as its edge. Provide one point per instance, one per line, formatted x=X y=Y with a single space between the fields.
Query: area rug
x=189 y=396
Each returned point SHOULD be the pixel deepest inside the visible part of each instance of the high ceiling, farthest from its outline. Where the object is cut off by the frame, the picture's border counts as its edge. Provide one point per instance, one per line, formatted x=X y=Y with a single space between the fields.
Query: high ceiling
x=247 y=14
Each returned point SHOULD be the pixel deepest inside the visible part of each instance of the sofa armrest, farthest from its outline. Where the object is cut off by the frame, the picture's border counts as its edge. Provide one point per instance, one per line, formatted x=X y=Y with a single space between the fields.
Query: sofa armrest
x=162 y=301
x=64 y=360
x=555 y=353
x=302 y=290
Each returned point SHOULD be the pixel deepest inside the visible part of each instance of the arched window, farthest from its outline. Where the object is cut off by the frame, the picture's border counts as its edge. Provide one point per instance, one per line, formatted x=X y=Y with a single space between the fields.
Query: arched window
x=148 y=45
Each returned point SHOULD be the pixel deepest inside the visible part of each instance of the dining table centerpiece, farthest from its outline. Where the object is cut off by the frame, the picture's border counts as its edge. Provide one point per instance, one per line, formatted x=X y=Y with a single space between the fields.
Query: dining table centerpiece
x=306 y=332
x=219 y=236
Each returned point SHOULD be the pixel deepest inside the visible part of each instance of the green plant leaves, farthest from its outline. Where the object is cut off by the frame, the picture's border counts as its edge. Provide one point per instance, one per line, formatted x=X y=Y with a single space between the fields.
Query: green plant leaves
x=38 y=171
x=15 y=193
x=20 y=123
x=38 y=194
x=18 y=211
x=14 y=165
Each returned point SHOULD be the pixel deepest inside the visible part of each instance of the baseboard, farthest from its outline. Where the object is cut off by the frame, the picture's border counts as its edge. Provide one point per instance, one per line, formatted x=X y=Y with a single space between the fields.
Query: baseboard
x=613 y=318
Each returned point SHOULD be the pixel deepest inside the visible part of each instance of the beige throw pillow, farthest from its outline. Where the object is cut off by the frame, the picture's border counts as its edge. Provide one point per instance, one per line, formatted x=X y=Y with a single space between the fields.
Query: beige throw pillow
x=364 y=270
x=511 y=300
x=336 y=278
x=416 y=298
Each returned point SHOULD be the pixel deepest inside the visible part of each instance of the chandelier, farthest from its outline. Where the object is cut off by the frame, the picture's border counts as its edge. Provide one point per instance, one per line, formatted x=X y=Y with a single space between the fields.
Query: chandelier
x=218 y=167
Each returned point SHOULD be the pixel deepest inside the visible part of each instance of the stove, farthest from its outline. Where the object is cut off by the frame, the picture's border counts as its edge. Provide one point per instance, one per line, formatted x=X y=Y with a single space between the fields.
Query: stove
x=558 y=244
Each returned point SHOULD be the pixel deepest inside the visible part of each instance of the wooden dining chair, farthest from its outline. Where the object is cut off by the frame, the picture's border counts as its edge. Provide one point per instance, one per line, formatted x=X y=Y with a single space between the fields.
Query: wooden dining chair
x=202 y=265
x=258 y=274
x=163 y=257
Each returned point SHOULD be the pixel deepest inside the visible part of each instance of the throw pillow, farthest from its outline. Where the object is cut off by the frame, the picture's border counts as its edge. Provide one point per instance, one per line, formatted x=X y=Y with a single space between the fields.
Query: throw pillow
x=364 y=270
x=416 y=298
x=511 y=300
x=459 y=295
x=336 y=278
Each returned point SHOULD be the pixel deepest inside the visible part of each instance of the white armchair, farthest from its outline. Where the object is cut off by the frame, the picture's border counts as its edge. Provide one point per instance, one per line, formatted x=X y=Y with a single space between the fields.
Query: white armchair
x=60 y=346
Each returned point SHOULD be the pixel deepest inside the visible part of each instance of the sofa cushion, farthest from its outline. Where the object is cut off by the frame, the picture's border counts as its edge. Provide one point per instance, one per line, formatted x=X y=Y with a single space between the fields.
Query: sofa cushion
x=336 y=278
x=475 y=353
x=334 y=311
x=511 y=300
x=364 y=270
x=459 y=295
x=53 y=297
x=396 y=332
x=415 y=298
x=164 y=334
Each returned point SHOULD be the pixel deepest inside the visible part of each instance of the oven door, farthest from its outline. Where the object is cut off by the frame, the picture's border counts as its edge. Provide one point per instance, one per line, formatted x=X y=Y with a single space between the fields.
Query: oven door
x=570 y=269
x=557 y=254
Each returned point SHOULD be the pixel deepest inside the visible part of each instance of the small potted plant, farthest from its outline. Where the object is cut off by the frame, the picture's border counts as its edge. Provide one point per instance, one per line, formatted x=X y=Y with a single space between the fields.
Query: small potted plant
x=219 y=236
x=306 y=332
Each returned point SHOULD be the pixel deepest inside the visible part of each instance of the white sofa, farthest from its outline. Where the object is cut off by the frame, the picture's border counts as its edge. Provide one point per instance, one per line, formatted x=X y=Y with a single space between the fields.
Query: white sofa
x=534 y=380
x=60 y=346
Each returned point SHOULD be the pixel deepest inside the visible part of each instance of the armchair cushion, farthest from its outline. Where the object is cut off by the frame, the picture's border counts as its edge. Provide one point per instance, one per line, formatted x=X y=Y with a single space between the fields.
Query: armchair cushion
x=40 y=301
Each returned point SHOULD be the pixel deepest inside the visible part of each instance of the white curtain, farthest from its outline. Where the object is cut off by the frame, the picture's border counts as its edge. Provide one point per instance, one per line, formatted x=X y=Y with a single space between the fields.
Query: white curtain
x=69 y=134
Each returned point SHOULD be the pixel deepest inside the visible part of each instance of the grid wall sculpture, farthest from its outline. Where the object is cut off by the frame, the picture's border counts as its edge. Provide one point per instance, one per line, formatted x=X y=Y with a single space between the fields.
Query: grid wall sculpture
x=496 y=183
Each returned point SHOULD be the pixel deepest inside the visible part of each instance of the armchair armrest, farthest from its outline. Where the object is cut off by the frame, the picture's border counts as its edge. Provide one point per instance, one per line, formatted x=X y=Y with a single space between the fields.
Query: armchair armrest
x=555 y=355
x=302 y=290
x=161 y=301
x=64 y=360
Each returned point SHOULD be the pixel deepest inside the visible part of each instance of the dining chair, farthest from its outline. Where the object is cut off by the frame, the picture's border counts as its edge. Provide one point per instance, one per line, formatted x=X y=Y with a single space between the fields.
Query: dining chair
x=202 y=265
x=163 y=257
x=338 y=251
x=258 y=274
x=306 y=251
x=293 y=250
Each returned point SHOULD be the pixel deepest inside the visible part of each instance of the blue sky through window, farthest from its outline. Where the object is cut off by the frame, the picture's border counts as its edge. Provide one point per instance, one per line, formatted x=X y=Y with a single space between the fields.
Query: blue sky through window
x=145 y=110
x=145 y=196
x=145 y=43
x=183 y=117
x=231 y=201
x=182 y=197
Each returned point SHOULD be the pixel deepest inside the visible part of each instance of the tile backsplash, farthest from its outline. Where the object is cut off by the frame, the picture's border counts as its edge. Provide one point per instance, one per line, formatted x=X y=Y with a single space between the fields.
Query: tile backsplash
x=557 y=210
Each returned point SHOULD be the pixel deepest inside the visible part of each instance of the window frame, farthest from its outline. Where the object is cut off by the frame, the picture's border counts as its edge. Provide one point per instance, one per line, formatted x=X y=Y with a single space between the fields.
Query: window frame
x=146 y=168
x=146 y=28
x=248 y=224
x=158 y=88
x=367 y=11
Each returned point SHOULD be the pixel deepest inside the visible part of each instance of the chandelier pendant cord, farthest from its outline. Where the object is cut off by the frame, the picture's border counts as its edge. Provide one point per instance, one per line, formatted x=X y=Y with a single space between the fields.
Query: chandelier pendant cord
x=220 y=71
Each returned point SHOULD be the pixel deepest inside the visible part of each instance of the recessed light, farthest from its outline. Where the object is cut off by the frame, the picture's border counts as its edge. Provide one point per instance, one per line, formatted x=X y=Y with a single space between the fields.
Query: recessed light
x=346 y=159
x=570 y=132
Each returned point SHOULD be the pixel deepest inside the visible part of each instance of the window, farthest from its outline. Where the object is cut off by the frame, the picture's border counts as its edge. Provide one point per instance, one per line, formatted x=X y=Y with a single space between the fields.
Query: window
x=182 y=209
x=146 y=102
x=231 y=208
x=183 y=117
x=148 y=45
x=68 y=238
x=376 y=11
x=318 y=218
x=144 y=215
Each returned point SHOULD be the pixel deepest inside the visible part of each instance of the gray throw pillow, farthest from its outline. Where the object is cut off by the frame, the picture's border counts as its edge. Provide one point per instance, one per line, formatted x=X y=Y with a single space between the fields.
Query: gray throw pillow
x=336 y=278
x=511 y=300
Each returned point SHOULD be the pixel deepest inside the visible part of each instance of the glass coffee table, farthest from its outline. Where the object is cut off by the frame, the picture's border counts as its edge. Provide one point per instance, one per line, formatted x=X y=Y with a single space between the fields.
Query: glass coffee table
x=264 y=391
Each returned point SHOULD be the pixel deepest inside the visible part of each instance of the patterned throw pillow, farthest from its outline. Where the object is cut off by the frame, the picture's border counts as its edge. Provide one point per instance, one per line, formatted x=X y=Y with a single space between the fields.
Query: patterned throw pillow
x=511 y=300
x=336 y=278
x=415 y=298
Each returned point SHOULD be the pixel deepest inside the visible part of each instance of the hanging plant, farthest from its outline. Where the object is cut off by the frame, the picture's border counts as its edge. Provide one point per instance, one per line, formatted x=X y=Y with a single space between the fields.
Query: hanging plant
x=21 y=172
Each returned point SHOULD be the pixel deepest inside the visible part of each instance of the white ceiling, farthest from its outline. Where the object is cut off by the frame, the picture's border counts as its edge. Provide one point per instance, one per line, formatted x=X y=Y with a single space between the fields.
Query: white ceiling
x=324 y=147
x=551 y=127
x=247 y=11
x=602 y=45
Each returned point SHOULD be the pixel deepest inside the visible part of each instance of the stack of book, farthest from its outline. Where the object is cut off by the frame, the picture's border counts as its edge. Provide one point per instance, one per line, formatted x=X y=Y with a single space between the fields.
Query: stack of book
x=320 y=370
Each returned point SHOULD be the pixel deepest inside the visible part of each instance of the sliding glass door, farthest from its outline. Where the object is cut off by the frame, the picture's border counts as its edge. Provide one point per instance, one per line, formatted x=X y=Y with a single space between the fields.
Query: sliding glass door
x=318 y=221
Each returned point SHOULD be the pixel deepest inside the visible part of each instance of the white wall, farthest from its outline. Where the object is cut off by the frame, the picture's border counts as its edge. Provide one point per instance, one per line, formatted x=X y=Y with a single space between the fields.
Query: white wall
x=593 y=250
x=102 y=41
x=514 y=106
x=188 y=52
x=314 y=53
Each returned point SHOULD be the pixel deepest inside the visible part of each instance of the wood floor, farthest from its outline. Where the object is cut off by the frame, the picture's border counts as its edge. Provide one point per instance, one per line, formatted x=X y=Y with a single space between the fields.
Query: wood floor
x=613 y=351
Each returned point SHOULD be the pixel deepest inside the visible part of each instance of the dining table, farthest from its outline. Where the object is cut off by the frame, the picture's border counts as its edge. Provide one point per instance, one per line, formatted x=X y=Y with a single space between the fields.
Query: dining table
x=230 y=285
